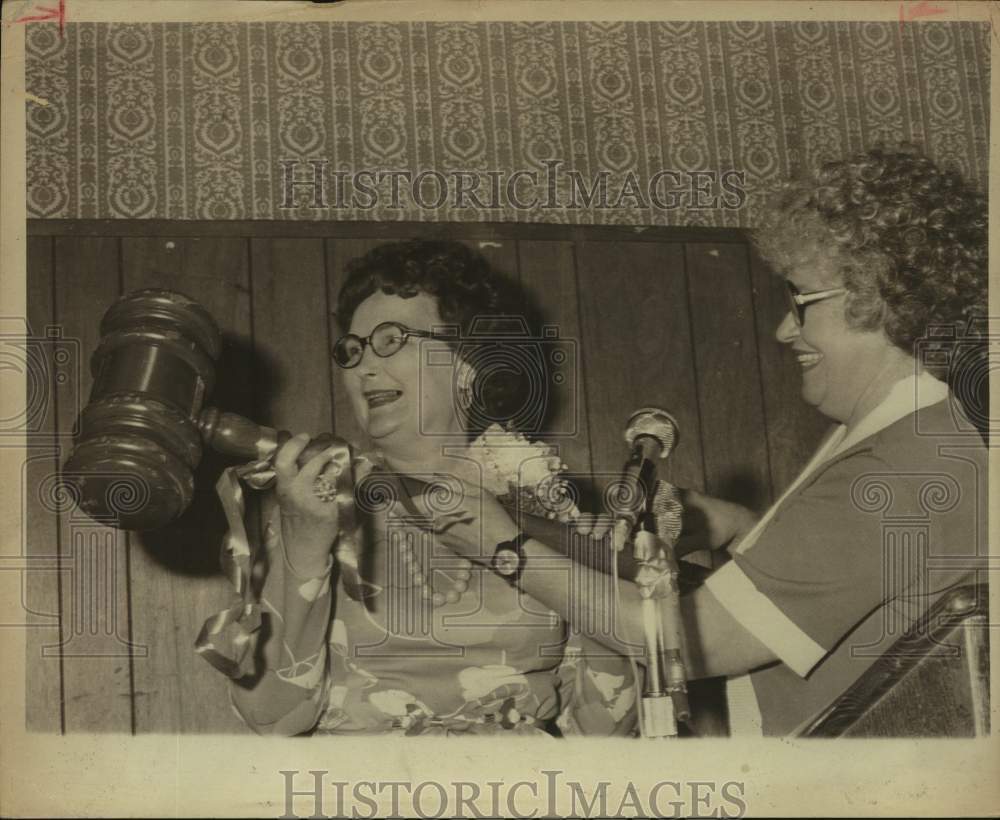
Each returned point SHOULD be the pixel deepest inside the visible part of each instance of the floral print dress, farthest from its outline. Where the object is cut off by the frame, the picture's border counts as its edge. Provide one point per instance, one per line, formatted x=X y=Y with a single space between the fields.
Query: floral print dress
x=494 y=661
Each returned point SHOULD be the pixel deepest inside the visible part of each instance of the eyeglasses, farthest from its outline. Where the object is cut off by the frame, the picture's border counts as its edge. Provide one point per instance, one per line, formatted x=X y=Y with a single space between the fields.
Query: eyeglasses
x=386 y=340
x=798 y=301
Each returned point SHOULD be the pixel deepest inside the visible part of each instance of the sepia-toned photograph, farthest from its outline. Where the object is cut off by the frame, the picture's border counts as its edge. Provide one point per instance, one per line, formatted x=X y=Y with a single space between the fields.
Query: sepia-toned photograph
x=389 y=381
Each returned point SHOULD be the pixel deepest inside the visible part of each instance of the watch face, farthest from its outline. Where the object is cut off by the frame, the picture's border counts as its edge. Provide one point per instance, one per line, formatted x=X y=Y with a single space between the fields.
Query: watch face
x=506 y=562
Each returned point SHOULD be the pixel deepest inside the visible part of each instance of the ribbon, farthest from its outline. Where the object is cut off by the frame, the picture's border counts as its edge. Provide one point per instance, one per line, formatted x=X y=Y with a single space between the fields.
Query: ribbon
x=227 y=638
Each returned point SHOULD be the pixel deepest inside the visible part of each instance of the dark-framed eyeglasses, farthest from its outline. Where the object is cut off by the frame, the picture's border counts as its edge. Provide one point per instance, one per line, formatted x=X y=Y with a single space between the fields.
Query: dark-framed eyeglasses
x=798 y=301
x=386 y=340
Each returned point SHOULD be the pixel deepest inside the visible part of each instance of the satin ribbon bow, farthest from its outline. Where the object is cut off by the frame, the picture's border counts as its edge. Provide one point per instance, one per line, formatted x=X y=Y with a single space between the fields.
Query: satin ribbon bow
x=227 y=638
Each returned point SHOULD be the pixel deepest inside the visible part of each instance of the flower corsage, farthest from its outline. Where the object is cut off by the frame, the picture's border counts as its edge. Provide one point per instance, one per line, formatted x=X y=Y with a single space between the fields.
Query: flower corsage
x=524 y=474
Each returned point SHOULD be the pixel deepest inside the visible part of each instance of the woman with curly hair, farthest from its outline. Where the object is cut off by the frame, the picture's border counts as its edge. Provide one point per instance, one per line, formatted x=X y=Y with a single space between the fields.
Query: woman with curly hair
x=903 y=245
x=389 y=638
x=883 y=256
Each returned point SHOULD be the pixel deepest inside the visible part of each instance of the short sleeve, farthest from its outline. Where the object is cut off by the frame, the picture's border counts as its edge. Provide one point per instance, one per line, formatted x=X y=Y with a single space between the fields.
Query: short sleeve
x=817 y=569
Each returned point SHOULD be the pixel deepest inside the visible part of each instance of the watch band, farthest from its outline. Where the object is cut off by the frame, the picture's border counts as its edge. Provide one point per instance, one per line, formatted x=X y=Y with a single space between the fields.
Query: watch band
x=508 y=558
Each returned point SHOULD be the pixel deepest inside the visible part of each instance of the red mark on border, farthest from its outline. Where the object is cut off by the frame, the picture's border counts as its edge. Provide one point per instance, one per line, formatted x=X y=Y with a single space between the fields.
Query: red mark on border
x=45 y=14
x=921 y=9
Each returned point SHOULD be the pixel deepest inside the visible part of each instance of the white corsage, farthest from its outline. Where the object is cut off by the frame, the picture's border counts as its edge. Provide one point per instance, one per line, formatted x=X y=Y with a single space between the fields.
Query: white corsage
x=524 y=473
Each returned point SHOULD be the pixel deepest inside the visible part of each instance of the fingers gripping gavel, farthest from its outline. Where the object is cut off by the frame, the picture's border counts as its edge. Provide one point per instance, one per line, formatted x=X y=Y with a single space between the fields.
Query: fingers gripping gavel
x=306 y=486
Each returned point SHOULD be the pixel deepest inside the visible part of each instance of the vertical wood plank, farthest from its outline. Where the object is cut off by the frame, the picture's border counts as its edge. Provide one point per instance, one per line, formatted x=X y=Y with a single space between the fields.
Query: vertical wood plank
x=176 y=582
x=95 y=603
x=794 y=428
x=502 y=254
x=292 y=332
x=43 y=692
x=637 y=350
x=548 y=275
x=729 y=390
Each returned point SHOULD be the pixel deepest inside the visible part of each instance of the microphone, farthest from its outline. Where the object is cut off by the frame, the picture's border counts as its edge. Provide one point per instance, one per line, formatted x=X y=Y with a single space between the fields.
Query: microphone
x=650 y=433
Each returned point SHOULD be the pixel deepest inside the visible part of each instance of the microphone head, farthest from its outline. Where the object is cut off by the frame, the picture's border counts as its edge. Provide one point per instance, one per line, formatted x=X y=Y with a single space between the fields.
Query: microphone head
x=655 y=422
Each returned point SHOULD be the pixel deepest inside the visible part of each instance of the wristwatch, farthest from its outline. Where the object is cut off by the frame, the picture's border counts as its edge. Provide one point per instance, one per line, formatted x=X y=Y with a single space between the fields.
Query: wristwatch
x=508 y=559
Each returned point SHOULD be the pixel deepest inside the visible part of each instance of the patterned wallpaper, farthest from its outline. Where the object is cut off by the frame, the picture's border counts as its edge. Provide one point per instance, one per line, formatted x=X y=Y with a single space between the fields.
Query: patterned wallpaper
x=183 y=121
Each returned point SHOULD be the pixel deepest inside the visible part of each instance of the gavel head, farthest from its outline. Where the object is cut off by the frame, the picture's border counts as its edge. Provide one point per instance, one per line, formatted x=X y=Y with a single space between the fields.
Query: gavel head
x=139 y=442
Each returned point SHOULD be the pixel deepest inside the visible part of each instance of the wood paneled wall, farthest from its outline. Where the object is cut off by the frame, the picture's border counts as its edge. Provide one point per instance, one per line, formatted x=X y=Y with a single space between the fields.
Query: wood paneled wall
x=680 y=318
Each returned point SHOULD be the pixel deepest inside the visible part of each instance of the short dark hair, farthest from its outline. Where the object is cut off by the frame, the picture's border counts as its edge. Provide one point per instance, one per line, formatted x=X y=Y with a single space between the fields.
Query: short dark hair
x=911 y=240
x=469 y=293
x=462 y=281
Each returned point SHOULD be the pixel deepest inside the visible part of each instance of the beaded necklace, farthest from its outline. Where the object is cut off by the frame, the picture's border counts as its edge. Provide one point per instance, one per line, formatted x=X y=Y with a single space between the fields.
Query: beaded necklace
x=420 y=577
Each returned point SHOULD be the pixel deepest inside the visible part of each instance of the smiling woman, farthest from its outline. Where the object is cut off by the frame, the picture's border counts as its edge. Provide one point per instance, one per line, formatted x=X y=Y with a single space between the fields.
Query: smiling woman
x=397 y=639
x=392 y=399
x=904 y=243
x=879 y=253
x=440 y=289
x=884 y=257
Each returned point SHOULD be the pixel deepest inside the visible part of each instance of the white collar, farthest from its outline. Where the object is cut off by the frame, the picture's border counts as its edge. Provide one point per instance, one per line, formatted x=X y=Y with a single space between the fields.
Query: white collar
x=906 y=396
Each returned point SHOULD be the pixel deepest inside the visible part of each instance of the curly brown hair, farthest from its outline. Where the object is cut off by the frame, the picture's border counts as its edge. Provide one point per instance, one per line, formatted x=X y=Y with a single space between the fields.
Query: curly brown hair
x=908 y=240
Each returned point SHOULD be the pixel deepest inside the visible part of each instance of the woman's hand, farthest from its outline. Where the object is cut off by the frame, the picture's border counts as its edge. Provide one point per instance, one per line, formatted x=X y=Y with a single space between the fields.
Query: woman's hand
x=714 y=520
x=309 y=525
x=475 y=528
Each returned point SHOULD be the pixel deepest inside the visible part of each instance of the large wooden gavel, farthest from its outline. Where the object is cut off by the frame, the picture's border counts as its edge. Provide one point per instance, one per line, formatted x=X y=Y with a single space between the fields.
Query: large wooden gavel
x=142 y=431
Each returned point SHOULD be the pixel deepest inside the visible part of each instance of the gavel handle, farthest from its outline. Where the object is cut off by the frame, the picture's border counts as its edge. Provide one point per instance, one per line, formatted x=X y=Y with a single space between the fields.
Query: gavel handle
x=235 y=435
x=238 y=436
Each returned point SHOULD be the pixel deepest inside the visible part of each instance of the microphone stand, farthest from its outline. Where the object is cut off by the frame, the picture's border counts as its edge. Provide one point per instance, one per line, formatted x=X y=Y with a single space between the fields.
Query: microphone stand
x=652 y=432
x=664 y=697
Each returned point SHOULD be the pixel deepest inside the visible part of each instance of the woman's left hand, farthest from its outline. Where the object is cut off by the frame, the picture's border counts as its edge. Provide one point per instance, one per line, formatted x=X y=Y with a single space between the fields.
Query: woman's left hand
x=474 y=529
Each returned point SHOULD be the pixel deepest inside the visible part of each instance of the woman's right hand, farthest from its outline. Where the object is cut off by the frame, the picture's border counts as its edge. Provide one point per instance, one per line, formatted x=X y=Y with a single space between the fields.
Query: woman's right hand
x=309 y=525
x=717 y=521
